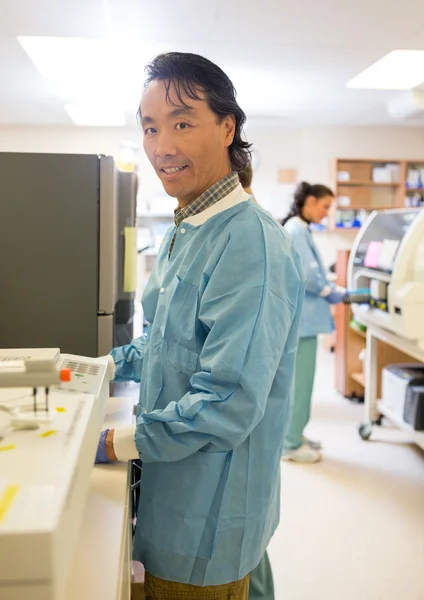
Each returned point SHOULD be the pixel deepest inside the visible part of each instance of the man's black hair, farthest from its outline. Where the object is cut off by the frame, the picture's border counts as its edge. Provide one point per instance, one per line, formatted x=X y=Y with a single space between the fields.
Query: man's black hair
x=193 y=75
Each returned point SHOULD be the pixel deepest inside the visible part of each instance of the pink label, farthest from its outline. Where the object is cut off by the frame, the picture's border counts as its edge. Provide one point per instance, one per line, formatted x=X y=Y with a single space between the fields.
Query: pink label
x=373 y=254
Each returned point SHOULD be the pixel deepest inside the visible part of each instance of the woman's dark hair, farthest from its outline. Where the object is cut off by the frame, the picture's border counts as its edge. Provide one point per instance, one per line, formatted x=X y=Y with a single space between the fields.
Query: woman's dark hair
x=245 y=176
x=193 y=74
x=303 y=191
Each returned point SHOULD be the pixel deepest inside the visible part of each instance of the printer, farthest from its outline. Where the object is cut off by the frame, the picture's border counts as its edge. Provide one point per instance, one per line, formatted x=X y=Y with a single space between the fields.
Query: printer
x=387 y=257
x=403 y=393
x=52 y=408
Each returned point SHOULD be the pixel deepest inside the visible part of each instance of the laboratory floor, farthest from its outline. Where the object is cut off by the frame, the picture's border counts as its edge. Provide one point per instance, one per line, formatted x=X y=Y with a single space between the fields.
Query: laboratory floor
x=352 y=526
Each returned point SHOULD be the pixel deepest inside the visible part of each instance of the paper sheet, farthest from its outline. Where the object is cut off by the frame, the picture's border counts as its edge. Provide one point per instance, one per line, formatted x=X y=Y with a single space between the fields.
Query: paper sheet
x=130 y=259
x=373 y=254
x=387 y=254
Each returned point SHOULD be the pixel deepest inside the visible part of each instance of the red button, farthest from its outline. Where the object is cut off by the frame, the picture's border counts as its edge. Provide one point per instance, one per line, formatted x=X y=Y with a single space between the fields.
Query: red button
x=65 y=374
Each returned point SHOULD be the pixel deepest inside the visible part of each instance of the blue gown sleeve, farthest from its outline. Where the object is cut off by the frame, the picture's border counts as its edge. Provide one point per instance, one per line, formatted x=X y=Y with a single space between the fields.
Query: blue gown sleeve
x=129 y=360
x=316 y=281
x=249 y=306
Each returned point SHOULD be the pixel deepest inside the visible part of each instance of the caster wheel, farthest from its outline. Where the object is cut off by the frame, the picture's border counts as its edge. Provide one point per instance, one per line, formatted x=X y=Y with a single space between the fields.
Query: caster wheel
x=365 y=431
x=379 y=421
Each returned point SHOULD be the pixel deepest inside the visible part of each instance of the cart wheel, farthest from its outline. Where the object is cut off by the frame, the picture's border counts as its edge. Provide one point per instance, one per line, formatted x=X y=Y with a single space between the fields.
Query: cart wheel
x=379 y=421
x=365 y=431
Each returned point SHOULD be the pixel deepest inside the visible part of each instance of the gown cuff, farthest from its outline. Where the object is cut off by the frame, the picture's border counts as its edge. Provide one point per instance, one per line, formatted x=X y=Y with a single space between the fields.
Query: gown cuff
x=124 y=444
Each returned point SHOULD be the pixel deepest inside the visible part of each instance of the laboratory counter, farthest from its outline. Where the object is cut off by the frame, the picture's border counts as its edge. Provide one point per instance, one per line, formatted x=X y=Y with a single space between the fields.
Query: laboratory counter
x=102 y=561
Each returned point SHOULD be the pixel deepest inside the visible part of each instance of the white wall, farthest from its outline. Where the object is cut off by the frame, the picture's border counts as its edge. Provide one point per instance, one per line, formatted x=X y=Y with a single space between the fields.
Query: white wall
x=310 y=150
x=97 y=140
x=318 y=146
x=65 y=139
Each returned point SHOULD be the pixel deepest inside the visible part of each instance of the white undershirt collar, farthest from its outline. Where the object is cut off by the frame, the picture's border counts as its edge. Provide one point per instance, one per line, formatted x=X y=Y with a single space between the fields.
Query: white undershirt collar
x=235 y=197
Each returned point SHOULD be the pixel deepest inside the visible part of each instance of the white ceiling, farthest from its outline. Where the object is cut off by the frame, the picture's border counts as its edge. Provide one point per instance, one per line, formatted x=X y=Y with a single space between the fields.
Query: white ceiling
x=310 y=47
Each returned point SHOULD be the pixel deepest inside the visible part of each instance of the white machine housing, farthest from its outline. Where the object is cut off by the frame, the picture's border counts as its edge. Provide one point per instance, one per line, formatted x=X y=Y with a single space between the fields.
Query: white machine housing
x=402 y=278
x=45 y=475
x=396 y=380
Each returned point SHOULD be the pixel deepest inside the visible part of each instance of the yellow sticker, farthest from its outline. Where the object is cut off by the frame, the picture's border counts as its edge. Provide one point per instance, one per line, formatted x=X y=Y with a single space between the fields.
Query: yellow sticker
x=130 y=259
x=48 y=433
x=60 y=409
x=5 y=448
x=7 y=498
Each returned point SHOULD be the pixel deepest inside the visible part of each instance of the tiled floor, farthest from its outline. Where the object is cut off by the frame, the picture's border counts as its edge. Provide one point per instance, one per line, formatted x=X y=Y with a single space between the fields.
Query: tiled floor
x=352 y=527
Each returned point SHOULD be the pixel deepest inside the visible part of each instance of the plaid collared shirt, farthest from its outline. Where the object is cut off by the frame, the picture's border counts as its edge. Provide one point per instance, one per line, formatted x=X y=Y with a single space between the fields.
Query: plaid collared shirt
x=214 y=194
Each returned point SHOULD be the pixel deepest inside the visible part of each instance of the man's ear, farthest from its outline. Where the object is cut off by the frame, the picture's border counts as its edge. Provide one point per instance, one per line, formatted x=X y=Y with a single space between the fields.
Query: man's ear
x=229 y=124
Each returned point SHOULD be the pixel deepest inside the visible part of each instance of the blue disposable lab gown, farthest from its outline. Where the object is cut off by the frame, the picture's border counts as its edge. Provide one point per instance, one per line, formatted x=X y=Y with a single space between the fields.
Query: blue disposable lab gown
x=216 y=375
x=316 y=316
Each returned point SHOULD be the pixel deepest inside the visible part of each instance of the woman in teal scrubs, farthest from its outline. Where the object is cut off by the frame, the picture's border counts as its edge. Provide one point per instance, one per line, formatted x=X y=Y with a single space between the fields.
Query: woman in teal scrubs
x=311 y=205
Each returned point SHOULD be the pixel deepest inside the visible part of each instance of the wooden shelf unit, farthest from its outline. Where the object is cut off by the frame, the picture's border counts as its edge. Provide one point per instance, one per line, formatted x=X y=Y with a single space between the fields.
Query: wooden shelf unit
x=361 y=334
x=362 y=193
x=414 y=190
x=383 y=207
x=359 y=378
x=413 y=164
x=368 y=183
x=349 y=343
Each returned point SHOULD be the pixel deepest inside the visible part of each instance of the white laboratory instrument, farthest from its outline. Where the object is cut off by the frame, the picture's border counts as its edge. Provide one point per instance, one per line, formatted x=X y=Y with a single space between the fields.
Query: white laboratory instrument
x=388 y=258
x=403 y=393
x=46 y=458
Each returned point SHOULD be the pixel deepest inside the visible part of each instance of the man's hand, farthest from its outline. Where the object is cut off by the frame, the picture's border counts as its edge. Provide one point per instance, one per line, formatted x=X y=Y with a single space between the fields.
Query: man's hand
x=105 y=452
x=110 y=452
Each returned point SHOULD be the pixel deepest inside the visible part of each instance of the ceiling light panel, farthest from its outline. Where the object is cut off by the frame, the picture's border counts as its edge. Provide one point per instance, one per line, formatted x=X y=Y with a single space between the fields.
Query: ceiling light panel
x=84 y=68
x=398 y=70
x=96 y=115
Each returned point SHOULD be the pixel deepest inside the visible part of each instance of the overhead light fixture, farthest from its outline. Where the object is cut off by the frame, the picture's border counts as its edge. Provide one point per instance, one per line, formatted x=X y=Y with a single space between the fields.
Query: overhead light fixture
x=96 y=115
x=59 y=58
x=83 y=69
x=398 y=70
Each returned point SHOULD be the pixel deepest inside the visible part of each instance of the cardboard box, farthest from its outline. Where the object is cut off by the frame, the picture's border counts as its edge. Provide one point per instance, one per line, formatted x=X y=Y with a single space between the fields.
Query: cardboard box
x=287 y=176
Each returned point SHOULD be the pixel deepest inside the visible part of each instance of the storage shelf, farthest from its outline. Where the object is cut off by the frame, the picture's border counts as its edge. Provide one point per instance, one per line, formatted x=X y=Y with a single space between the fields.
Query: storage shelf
x=370 y=208
x=417 y=436
x=359 y=378
x=362 y=334
x=364 y=194
x=353 y=182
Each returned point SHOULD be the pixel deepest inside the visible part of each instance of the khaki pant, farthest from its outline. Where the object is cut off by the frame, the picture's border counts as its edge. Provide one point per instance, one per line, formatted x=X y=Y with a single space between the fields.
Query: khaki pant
x=158 y=589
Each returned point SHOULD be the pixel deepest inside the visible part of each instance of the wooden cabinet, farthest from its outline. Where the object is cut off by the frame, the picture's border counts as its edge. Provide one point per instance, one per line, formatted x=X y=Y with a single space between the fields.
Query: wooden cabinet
x=349 y=343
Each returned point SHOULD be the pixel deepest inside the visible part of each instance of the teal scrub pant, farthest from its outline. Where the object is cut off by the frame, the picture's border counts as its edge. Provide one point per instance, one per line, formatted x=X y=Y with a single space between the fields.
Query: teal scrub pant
x=261 y=581
x=303 y=385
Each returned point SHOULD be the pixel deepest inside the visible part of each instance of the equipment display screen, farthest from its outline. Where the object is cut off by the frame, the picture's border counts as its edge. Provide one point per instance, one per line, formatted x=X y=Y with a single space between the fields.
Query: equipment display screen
x=381 y=240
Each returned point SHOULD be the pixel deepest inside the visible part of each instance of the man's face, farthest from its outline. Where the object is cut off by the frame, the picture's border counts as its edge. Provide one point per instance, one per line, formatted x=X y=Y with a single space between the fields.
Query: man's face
x=186 y=145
